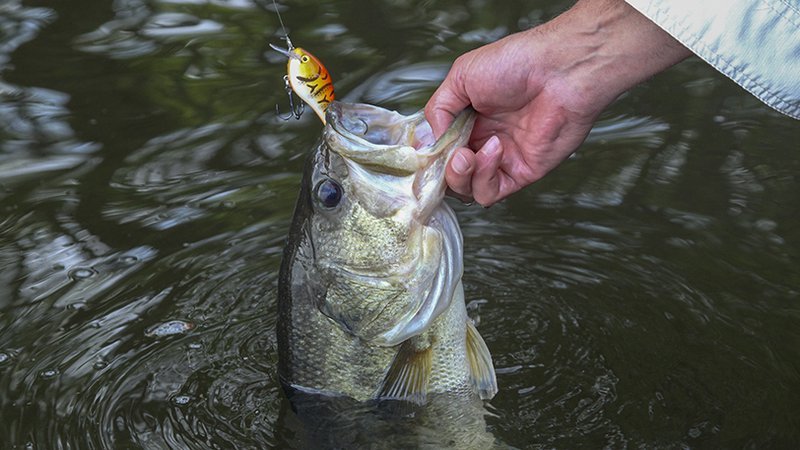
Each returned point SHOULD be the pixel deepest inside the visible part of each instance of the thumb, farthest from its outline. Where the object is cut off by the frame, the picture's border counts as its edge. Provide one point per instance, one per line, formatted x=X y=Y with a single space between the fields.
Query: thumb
x=445 y=104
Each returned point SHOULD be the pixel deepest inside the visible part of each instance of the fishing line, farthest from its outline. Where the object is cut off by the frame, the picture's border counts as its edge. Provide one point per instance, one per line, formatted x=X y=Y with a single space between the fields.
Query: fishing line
x=283 y=27
x=294 y=111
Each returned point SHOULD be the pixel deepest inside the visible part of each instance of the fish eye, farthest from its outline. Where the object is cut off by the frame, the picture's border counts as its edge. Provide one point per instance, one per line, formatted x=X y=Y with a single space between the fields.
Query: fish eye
x=304 y=59
x=329 y=193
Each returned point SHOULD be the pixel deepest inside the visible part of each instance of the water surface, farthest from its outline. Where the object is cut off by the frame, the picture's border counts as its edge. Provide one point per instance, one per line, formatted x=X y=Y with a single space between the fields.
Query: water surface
x=646 y=294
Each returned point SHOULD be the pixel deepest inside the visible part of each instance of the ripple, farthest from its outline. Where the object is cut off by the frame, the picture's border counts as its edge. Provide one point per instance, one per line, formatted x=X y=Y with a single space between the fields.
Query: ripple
x=579 y=297
x=20 y=25
x=484 y=36
x=169 y=328
x=48 y=374
x=81 y=273
x=38 y=141
x=399 y=85
x=149 y=388
x=128 y=260
x=172 y=25
x=182 y=400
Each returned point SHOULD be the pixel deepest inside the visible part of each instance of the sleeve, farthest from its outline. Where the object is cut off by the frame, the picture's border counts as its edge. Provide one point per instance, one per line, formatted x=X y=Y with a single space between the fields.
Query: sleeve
x=756 y=43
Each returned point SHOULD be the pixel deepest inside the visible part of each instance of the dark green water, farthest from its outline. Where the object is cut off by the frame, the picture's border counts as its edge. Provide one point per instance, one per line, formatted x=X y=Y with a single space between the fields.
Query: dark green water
x=644 y=295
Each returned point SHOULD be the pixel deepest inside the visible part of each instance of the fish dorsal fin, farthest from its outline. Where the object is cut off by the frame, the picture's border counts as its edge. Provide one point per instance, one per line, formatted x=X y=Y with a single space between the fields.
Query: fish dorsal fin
x=480 y=364
x=408 y=376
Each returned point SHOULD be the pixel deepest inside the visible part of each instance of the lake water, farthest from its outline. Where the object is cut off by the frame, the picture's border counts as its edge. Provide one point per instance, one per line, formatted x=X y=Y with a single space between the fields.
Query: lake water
x=646 y=294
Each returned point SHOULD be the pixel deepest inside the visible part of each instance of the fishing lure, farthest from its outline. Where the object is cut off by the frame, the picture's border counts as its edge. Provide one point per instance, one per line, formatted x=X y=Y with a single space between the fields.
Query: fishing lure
x=308 y=78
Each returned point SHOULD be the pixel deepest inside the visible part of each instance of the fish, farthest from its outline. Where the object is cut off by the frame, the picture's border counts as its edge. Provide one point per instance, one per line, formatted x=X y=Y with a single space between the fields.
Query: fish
x=370 y=297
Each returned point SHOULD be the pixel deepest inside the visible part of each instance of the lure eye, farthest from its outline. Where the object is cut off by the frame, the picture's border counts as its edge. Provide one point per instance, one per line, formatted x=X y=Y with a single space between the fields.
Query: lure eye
x=304 y=59
x=329 y=193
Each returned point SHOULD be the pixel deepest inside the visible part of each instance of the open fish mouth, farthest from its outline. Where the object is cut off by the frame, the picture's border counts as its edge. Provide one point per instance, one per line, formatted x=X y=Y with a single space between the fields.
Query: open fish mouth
x=380 y=126
x=389 y=143
x=378 y=136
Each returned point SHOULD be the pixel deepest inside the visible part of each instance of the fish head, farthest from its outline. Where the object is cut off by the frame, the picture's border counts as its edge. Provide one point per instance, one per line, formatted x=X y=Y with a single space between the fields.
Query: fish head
x=386 y=249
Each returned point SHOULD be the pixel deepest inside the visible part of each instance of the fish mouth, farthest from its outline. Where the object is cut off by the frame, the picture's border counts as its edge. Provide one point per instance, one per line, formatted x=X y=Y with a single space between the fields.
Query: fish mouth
x=389 y=143
x=383 y=140
x=379 y=126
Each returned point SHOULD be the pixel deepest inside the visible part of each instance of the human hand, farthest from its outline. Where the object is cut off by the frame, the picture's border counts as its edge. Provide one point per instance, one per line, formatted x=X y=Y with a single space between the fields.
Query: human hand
x=538 y=92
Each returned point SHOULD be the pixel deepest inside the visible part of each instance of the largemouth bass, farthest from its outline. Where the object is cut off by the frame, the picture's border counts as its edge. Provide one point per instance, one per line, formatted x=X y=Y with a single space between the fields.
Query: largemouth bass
x=371 y=304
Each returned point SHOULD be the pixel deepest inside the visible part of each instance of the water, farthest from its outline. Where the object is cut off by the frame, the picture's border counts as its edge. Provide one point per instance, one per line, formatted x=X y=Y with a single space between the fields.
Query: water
x=646 y=294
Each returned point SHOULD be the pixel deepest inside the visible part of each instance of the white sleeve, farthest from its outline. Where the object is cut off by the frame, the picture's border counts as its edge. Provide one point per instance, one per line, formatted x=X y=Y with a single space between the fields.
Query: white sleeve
x=756 y=43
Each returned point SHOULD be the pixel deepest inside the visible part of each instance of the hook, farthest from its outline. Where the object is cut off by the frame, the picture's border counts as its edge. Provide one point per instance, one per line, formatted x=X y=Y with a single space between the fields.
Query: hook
x=294 y=110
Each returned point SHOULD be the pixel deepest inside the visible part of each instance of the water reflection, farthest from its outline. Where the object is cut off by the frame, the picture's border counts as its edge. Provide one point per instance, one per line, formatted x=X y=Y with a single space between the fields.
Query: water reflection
x=330 y=423
x=141 y=28
x=401 y=85
x=35 y=137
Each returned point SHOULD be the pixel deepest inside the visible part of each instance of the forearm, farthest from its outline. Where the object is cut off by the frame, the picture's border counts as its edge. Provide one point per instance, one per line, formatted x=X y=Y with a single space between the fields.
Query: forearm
x=601 y=48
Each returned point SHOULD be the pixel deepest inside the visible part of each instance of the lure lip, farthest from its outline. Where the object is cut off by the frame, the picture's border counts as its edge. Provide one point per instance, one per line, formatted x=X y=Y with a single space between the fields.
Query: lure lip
x=287 y=52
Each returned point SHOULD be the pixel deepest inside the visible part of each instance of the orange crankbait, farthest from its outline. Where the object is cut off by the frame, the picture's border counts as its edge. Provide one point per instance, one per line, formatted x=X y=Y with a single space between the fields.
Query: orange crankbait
x=308 y=78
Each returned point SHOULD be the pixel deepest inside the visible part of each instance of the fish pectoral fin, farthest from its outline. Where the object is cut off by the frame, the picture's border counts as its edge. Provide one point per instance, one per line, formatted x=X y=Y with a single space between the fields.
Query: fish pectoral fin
x=408 y=376
x=480 y=364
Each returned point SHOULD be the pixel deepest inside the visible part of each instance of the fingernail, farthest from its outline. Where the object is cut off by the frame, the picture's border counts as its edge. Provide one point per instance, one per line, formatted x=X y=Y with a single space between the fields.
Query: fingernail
x=460 y=164
x=491 y=146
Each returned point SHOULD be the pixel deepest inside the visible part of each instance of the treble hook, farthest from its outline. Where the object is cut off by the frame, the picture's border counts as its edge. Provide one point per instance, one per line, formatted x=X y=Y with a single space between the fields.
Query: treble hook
x=294 y=110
